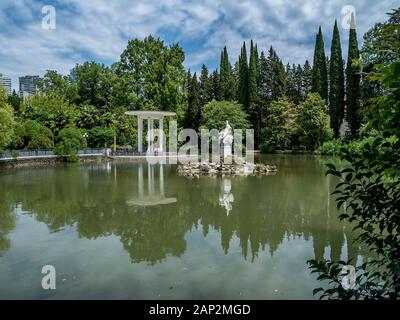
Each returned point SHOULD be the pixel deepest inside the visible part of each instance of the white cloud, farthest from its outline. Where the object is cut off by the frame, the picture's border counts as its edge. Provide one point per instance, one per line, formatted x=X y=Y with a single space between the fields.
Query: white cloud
x=99 y=30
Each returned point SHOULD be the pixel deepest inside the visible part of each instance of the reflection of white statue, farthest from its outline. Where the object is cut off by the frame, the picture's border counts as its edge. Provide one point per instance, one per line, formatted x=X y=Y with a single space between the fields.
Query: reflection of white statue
x=226 y=197
x=226 y=139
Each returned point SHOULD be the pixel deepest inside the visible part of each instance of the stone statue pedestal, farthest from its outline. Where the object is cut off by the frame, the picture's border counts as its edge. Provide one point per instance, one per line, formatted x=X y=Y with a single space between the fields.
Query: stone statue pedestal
x=226 y=151
x=226 y=140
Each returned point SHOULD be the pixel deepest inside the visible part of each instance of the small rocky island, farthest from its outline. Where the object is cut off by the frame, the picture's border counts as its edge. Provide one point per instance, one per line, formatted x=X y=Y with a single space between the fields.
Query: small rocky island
x=228 y=164
x=240 y=169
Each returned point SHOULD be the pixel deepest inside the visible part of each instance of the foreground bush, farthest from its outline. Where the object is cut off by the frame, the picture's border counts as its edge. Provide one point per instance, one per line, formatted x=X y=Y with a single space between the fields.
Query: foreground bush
x=369 y=191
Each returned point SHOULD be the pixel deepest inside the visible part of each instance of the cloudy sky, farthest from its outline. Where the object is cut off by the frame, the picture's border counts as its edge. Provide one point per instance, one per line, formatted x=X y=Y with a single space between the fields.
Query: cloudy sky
x=99 y=29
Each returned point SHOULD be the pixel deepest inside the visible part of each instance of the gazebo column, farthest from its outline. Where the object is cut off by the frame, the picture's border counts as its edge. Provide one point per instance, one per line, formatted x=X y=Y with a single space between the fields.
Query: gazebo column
x=140 y=134
x=150 y=123
x=161 y=134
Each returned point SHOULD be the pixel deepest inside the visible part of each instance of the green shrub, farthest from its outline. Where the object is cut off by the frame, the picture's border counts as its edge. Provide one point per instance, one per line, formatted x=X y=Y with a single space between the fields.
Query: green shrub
x=356 y=147
x=69 y=142
x=331 y=148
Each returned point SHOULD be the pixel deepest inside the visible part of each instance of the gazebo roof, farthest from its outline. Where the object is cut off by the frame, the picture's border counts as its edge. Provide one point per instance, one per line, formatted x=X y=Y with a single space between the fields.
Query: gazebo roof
x=144 y=114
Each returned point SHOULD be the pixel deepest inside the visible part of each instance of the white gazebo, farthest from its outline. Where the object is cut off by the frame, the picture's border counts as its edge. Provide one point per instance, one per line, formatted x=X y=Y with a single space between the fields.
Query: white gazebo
x=150 y=116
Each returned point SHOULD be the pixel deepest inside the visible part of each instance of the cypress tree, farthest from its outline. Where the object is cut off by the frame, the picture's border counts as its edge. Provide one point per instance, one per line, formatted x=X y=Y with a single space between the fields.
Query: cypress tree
x=277 y=75
x=215 y=85
x=193 y=113
x=205 y=86
x=254 y=108
x=306 y=79
x=290 y=90
x=320 y=73
x=298 y=74
x=226 y=81
x=353 y=116
x=257 y=64
x=263 y=91
x=243 y=78
x=252 y=79
x=336 y=84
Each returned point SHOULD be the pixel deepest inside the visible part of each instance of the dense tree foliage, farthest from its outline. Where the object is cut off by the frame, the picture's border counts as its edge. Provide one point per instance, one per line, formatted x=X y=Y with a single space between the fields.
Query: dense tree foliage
x=32 y=135
x=69 y=142
x=51 y=110
x=280 y=124
x=312 y=123
x=216 y=113
x=6 y=120
x=151 y=75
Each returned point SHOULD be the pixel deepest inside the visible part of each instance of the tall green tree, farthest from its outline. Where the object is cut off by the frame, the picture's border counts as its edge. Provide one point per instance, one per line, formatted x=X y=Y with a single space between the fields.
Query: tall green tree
x=205 y=86
x=307 y=76
x=353 y=114
x=57 y=84
x=290 y=83
x=298 y=82
x=152 y=75
x=312 y=122
x=257 y=63
x=336 y=88
x=277 y=75
x=94 y=83
x=193 y=113
x=253 y=75
x=226 y=81
x=215 y=85
x=254 y=105
x=320 y=73
x=243 y=78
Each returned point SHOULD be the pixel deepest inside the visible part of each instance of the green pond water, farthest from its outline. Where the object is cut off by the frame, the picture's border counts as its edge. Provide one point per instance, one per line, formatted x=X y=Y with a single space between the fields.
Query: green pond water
x=122 y=230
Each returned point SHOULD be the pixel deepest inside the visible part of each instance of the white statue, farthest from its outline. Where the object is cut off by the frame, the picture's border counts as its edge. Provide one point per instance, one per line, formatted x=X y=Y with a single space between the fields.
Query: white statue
x=226 y=140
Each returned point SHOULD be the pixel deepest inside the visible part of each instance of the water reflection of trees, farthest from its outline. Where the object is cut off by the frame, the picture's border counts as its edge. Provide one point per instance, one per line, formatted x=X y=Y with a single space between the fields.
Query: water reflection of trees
x=7 y=217
x=266 y=210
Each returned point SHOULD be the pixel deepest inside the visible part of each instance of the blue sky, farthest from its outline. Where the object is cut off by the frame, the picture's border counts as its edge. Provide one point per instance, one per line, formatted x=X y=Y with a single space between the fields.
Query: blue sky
x=99 y=29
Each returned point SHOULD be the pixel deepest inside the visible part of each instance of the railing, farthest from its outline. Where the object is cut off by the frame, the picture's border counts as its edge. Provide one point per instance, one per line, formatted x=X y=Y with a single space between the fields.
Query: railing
x=92 y=151
x=131 y=153
x=125 y=153
x=16 y=154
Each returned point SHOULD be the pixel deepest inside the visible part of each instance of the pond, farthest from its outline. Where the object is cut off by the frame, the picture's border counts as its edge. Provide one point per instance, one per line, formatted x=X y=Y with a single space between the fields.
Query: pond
x=133 y=231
